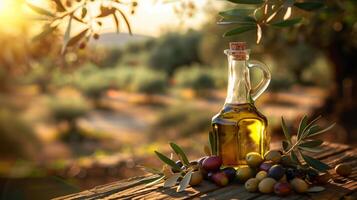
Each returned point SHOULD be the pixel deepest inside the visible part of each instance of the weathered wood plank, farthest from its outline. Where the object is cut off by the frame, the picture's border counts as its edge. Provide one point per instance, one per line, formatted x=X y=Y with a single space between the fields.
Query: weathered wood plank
x=134 y=189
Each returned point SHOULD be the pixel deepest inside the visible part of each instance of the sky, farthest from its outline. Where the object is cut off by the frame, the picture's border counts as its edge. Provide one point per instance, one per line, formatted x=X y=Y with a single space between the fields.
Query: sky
x=150 y=18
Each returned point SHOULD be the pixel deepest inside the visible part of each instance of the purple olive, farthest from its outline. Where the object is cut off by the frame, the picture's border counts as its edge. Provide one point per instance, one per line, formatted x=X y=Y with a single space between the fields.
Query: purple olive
x=212 y=163
x=230 y=172
x=282 y=189
x=265 y=166
x=220 y=179
x=276 y=172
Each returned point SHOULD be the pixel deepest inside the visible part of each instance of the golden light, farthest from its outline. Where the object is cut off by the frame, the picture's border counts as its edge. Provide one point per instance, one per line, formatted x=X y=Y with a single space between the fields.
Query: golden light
x=11 y=13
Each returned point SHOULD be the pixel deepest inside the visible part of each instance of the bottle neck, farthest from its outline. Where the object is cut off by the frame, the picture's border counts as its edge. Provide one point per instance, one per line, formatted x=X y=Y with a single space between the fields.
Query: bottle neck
x=238 y=91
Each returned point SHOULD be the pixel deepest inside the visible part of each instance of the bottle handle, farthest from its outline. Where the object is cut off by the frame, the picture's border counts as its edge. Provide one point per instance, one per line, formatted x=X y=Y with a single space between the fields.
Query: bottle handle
x=263 y=84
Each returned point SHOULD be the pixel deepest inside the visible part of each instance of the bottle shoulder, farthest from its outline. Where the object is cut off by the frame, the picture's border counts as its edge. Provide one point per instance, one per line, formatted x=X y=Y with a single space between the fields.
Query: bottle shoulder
x=237 y=112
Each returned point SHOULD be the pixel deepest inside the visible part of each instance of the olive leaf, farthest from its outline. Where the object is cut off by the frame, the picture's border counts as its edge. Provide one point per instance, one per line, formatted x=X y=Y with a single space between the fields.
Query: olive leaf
x=314 y=163
x=105 y=11
x=172 y=180
x=312 y=123
x=59 y=6
x=39 y=10
x=309 y=149
x=309 y=6
x=239 y=30
x=322 y=131
x=285 y=130
x=311 y=143
x=294 y=158
x=185 y=181
x=167 y=160
x=285 y=145
x=286 y=23
x=154 y=181
x=236 y=12
x=247 y=1
x=180 y=153
x=67 y=34
x=77 y=38
x=302 y=125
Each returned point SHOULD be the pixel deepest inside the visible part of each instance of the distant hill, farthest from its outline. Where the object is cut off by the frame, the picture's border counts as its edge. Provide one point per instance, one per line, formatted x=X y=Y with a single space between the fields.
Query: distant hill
x=118 y=40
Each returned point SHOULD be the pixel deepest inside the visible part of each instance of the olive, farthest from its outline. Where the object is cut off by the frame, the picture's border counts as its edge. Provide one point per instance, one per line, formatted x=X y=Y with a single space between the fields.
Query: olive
x=200 y=161
x=212 y=163
x=254 y=159
x=196 y=178
x=290 y=173
x=299 y=185
x=251 y=185
x=343 y=169
x=323 y=178
x=261 y=175
x=277 y=172
x=282 y=189
x=244 y=173
x=267 y=185
x=230 y=172
x=220 y=178
x=265 y=166
x=273 y=156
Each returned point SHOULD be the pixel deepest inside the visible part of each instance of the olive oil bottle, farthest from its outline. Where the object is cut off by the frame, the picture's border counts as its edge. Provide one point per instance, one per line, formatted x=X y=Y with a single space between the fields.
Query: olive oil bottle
x=239 y=128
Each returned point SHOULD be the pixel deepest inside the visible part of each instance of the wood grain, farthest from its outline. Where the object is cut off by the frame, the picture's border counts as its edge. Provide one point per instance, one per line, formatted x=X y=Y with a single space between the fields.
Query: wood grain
x=133 y=188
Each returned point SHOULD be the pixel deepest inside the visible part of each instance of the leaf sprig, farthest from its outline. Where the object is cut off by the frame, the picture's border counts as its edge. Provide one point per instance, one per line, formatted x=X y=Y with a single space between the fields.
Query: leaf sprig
x=266 y=13
x=78 y=11
x=171 y=173
x=305 y=143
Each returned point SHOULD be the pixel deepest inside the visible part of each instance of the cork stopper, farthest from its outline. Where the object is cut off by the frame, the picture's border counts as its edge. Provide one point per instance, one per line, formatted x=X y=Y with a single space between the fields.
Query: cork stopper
x=237 y=46
x=238 y=50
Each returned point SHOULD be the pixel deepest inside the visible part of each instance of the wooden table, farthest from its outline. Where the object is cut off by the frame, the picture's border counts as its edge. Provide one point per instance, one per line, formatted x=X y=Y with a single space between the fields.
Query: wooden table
x=333 y=154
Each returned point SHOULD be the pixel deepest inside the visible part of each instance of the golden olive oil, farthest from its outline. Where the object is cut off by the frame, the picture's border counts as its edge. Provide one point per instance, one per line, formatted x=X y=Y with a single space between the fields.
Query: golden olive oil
x=238 y=130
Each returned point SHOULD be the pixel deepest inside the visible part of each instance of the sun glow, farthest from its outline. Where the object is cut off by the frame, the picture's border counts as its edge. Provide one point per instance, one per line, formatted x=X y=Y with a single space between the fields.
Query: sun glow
x=11 y=14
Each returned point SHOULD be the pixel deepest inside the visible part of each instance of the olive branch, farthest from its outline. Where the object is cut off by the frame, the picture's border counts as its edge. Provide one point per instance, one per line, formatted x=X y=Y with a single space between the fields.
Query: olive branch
x=171 y=173
x=305 y=143
x=266 y=13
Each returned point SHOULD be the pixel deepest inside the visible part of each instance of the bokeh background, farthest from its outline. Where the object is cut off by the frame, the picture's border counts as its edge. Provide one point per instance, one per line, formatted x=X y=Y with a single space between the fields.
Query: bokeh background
x=91 y=116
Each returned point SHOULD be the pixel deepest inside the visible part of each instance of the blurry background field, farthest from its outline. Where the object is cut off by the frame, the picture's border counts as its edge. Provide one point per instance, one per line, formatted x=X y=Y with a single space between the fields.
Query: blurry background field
x=91 y=116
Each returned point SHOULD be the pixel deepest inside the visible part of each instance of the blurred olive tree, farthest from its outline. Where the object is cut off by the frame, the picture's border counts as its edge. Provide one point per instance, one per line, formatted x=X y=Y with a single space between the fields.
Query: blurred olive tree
x=326 y=25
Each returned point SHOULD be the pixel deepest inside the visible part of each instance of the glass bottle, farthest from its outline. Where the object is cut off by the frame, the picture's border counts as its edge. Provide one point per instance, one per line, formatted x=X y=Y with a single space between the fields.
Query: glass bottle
x=239 y=128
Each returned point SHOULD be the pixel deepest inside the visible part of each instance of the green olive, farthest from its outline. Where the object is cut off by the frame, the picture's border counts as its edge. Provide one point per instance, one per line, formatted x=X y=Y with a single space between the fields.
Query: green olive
x=196 y=178
x=261 y=175
x=299 y=185
x=343 y=169
x=254 y=159
x=267 y=185
x=251 y=185
x=273 y=156
x=244 y=173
